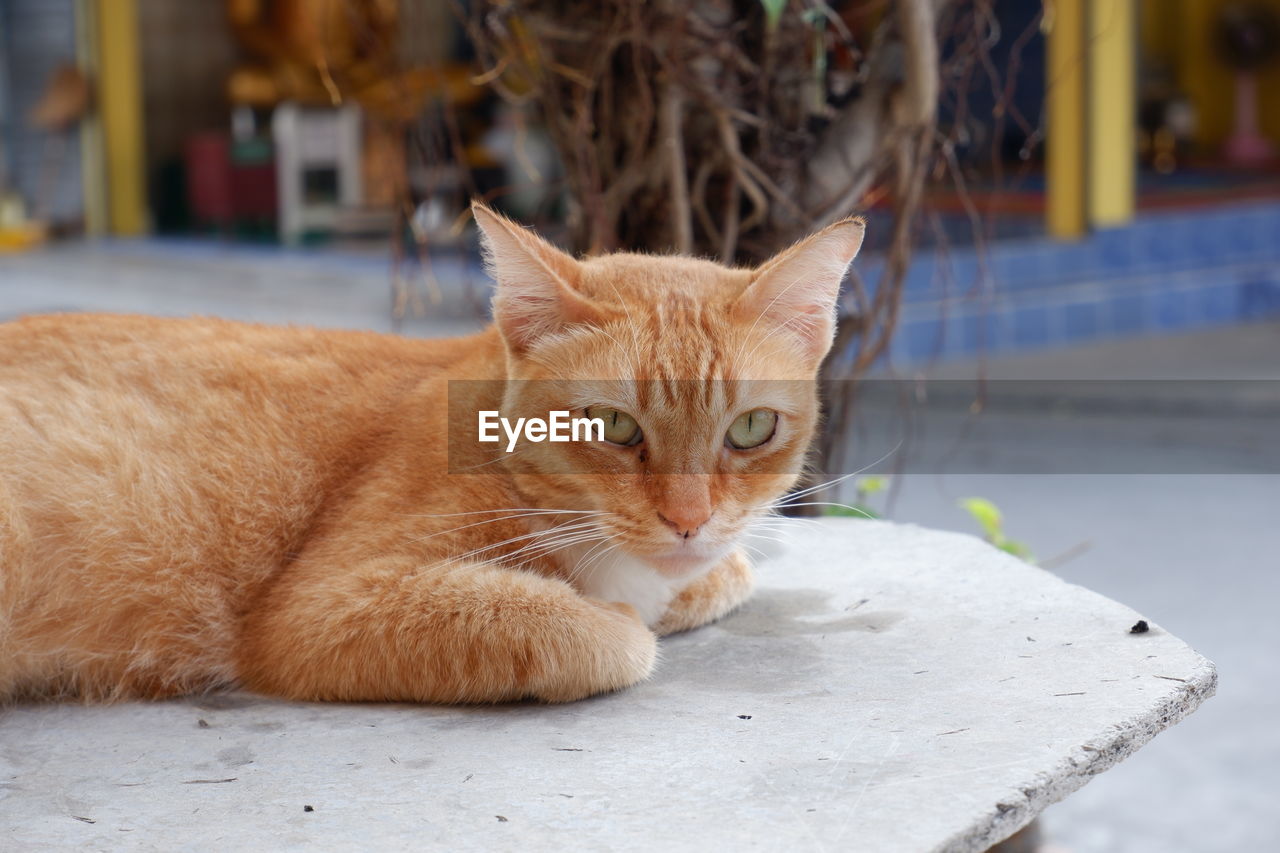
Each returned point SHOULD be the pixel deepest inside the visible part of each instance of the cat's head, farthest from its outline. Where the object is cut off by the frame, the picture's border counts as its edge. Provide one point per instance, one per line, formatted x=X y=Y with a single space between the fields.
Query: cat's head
x=704 y=375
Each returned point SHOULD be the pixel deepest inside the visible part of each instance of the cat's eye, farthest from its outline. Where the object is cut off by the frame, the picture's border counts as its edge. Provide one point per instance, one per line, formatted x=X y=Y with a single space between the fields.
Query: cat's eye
x=619 y=427
x=752 y=429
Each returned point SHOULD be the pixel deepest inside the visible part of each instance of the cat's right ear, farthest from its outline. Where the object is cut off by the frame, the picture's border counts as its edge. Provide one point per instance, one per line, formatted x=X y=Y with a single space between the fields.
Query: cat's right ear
x=795 y=293
x=536 y=293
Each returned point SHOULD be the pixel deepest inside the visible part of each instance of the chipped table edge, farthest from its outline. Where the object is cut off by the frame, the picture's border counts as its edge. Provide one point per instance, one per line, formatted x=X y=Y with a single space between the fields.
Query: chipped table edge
x=1085 y=762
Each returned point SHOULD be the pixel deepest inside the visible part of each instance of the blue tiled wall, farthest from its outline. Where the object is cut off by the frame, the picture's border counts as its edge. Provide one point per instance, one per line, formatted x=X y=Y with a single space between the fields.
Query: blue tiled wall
x=1166 y=272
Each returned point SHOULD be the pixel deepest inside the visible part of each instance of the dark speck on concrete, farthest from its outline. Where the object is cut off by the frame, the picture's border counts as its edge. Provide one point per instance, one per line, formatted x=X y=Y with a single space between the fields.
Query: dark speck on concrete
x=1140 y=627
x=744 y=716
x=308 y=808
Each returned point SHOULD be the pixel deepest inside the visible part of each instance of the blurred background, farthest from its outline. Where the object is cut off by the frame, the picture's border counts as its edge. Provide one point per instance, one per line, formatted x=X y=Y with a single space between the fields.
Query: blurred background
x=1068 y=305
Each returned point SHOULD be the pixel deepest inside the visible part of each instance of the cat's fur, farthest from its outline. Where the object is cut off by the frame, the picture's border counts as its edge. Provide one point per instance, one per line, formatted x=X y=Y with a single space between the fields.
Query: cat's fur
x=187 y=504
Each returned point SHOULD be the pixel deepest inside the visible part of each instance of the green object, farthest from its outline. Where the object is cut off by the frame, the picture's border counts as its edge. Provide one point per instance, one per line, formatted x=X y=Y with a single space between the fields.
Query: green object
x=1018 y=550
x=987 y=515
x=991 y=520
x=773 y=12
x=864 y=487
x=257 y=151
x=871 y=485
x=852 y=511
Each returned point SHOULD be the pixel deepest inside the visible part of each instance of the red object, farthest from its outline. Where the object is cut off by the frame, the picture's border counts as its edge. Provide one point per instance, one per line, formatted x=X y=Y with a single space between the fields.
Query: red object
x=253 y=191
x=222 y=192
x=208 y=161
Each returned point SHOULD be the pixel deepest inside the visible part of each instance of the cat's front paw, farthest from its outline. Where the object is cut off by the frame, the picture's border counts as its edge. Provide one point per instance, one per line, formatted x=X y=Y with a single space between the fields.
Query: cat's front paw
x=710 y=597
x=611 y=648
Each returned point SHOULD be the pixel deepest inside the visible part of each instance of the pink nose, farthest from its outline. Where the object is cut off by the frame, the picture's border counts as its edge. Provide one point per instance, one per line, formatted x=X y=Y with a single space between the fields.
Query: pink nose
x=685 y=521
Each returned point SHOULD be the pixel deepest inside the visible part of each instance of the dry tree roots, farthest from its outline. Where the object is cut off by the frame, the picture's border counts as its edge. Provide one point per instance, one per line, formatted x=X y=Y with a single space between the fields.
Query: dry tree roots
x=729 y=128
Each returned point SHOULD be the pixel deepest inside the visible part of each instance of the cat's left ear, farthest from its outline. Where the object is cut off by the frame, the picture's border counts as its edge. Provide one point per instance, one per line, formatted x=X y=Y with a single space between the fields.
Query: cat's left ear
x=795 y=292
x=536 y=293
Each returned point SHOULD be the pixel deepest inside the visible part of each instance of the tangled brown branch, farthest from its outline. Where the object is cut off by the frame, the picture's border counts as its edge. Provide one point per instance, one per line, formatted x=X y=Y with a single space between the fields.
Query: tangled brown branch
x=729 y=128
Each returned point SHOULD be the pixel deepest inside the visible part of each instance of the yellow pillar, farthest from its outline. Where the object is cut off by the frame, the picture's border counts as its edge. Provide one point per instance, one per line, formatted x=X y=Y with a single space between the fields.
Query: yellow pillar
x=93 y=180
x=1065 y=149
x=120 y=106
x=1111 y=112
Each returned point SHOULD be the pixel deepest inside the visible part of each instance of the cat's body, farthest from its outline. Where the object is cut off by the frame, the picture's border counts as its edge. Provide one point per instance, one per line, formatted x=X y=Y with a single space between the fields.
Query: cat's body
x=186 y=504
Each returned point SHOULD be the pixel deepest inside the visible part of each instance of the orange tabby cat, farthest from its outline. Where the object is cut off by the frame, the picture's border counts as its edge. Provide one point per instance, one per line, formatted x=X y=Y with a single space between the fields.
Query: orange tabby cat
x=188 y=504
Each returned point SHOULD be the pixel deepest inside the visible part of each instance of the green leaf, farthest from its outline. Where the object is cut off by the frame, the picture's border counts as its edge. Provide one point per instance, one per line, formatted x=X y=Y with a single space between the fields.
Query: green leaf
x=987 y=515
x=773 y=12
x=853 y=511
x=1017 y=549
x=871 y=485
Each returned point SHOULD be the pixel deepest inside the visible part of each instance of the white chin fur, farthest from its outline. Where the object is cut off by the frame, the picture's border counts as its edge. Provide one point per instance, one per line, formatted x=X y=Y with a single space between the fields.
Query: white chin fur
x=618 y=576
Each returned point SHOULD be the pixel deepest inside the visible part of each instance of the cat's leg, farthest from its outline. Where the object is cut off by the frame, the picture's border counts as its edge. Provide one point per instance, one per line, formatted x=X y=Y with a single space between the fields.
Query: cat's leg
x=394 y=631
x=710 y=597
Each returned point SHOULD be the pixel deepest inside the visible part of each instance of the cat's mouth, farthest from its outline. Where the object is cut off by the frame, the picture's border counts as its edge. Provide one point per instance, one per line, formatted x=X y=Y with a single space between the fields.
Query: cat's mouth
x=685 y=560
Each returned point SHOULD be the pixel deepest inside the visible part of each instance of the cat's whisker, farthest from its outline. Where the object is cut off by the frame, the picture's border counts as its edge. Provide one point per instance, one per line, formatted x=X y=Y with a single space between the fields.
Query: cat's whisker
x=774 y=520
x=815 y=488
x=819 y=486
x=577 y=565
x=856 y=509
x=585 y=570
x=555 y=535
x=496 y=459
x=563 y=528
x=479 y=523
x=589 y=569
x=529 y=561
x=540 y=538
x=524 y=509
x=526 y=556
x=614 y=543
x=564 y=540
x=763 y=525
x=581 y=573
x=772 y=516
x=785 y=526
x=546 y=549
x=484 y=464
x=780 y=540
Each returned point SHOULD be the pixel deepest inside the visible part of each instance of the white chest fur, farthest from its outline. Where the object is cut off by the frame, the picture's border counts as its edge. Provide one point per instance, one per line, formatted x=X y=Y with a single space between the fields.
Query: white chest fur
x=620 y=577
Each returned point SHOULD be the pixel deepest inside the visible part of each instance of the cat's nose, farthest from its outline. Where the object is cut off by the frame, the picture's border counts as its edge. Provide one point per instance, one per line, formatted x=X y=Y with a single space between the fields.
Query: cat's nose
x=686 y=521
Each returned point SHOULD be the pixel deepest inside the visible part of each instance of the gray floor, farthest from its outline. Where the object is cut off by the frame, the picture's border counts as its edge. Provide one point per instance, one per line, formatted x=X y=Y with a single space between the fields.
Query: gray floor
x=1157 y=504
x=1168 y=516
x=326 y=288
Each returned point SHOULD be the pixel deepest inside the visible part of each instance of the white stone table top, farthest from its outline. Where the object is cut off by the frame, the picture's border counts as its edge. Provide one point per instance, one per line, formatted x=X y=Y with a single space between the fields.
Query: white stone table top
x=888 y=688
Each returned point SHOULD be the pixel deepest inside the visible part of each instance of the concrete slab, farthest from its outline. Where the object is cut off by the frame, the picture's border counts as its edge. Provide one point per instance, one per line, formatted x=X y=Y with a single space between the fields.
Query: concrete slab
x=888 y=688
